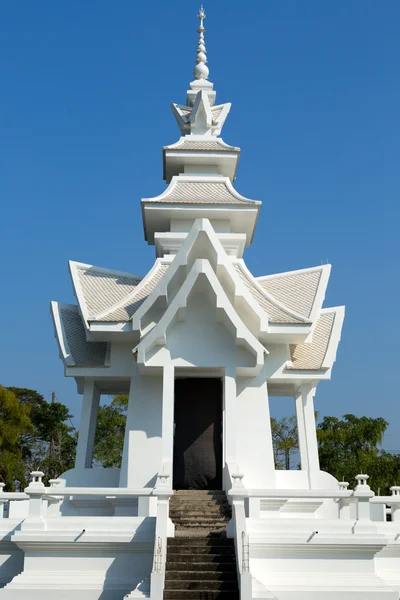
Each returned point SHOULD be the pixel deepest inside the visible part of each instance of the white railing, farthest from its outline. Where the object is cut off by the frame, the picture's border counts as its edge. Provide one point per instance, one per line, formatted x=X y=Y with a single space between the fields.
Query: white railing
x=164 y=527
x=7 y=498
x=238 y=493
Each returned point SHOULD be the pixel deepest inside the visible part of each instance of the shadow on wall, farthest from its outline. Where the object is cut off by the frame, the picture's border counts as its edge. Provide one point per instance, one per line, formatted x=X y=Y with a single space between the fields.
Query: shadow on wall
x=11 y=562
x=131 y=568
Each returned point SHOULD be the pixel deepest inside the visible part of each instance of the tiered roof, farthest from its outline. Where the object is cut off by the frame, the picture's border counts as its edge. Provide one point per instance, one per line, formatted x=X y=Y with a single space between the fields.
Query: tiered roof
x=193 y=218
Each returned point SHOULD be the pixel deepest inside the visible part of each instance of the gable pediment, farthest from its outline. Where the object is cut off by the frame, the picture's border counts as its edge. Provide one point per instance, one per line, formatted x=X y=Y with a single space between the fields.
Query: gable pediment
x=198 y=328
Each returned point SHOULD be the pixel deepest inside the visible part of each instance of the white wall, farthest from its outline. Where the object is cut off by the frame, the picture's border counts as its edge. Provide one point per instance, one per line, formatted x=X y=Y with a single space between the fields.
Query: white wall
x=142 y=446
x=254 y=442
x=200 y=341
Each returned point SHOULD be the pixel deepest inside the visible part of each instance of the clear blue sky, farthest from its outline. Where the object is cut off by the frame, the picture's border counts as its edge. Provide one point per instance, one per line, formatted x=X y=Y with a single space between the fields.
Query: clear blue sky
x=84 y=110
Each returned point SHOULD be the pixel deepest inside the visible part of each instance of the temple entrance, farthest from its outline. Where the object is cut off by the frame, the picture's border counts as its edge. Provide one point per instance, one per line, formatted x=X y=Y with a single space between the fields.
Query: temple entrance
x=198 y=434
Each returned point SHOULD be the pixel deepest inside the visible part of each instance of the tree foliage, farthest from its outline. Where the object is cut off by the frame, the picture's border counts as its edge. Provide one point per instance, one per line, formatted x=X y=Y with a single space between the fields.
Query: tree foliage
x=14 y=423
x=110 y=432
x=285 y=441
x=48 y=445
x=350 y=445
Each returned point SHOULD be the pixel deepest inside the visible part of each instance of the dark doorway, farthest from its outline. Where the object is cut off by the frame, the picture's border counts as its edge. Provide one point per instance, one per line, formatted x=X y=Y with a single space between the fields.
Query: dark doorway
x=198 y=434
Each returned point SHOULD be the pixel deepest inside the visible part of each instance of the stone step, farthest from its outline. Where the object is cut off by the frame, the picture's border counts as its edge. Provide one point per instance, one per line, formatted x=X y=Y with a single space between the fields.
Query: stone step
x=201 y=550
x=201 y=595
x=201 y=575
x=199 y=493
x=203 y=519
x=184 y=533
x=198 y=510
x=199 y=505
x=199 y=531
x=218 y=566
x=197 y=516
x=201 y=585
x=226 y=542
x=200 y=558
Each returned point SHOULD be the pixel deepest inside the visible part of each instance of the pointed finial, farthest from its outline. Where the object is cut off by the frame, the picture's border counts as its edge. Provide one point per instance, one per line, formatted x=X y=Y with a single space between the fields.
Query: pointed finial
x=201 y=70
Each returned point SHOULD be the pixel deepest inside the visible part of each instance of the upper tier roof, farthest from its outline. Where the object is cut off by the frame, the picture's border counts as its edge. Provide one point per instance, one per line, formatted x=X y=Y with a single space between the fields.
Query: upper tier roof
x=303 y=291
x=321 y=352
x=98 y=289
x=109 y=296
x=75 y=350
x=200 y=150
x=201 y=190
x=277 y=312
x=187 y=143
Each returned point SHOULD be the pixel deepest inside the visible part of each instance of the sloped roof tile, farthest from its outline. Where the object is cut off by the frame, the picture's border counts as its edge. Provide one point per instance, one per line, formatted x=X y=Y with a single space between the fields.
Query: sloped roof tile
x=296 y=291
x=132 y=303
x=275 y=313
x=181 y=191
x=102 y=289
x=310 y=357
x=83 y=353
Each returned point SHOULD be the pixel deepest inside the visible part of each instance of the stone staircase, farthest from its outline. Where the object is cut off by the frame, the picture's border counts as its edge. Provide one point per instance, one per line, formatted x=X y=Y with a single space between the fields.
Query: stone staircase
x=201 y=562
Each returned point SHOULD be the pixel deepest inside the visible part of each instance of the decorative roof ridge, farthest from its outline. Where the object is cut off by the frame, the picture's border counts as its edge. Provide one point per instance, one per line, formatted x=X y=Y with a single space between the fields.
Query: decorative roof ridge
x=131 y=296
x=192 y=139
x=201 y=225
x=59 y=331
x=159 y=332
x=66 y=306
x=212 y=179
x=291 y=273
x=303 y=320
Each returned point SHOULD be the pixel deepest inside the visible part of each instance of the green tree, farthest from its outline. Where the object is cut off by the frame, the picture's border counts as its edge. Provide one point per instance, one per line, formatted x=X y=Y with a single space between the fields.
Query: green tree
x=50 y=446
x=14 y=423
x=285 y=441
x=110 y=432
x=351 y=445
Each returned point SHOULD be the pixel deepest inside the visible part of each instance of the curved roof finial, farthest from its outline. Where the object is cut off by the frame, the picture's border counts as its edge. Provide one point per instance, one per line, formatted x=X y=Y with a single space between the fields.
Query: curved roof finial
x=201 y=70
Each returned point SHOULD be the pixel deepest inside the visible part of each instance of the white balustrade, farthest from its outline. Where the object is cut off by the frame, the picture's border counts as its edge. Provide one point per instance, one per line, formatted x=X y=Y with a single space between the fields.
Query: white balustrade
x=238 y=495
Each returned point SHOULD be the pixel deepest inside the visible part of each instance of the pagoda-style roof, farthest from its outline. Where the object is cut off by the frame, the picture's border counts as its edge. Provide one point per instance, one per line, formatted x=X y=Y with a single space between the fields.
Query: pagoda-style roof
x=320 y=354
x=302 y=291
x=185 y=116
x=284 y=308
x=191 y=143
x=189 y=197
x=197 y=150
x=98 y=289
x=201 y=190
x=111 y=296
x=75 y=350
x=277 y=311
x=133 y=301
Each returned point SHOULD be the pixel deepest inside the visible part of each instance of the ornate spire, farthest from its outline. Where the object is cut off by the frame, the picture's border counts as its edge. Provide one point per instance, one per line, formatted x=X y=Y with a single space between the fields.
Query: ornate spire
x=201 y=70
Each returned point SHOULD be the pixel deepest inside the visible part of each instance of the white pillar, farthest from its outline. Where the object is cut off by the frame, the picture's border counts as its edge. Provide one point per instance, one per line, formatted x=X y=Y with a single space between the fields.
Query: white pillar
x=308 y=393
x=142 y=453
x=254 y=450
x=167 y=419
x=301 y=430
x=230 y=420
x=87 y=426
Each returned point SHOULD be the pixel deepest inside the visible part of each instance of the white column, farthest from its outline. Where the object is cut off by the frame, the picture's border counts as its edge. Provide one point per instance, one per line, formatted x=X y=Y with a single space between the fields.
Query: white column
x=301 y=430
x=230 y=417
x=254 y=451
x=167 y=419
x=307 y=393
x=87 y=426
x=142 y=453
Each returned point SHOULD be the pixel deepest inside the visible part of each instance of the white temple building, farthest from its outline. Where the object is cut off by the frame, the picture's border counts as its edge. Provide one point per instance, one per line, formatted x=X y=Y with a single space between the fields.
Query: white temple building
x=200 y=345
